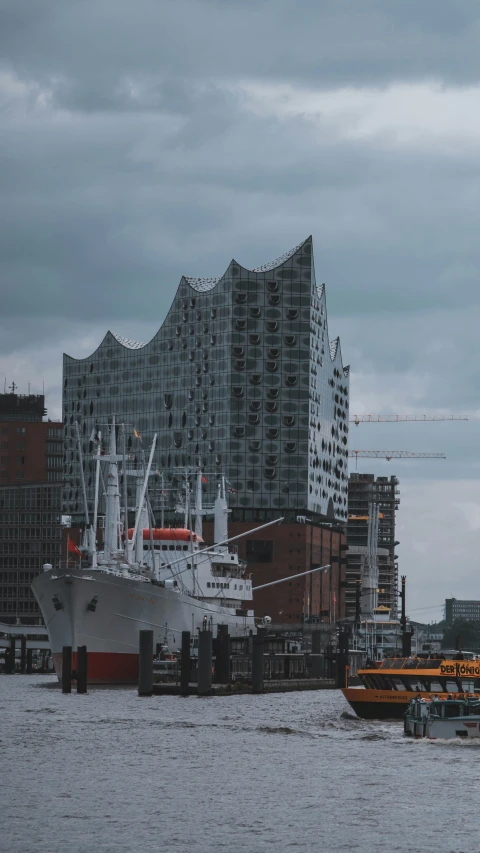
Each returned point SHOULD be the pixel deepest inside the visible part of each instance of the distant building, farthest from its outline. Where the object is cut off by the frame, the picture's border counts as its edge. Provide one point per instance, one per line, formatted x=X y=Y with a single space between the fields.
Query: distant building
x=31 y=473
x=456 y=608
x=363 y=490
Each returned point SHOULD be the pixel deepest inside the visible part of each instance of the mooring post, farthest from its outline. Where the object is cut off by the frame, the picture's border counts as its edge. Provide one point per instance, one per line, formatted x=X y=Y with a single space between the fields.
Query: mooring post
x=10 y=658
x=258 y=663
x=82 y=669
x=67 y=669
x=29 y=661
x=23 y=655
x=185 y=665
x=204 y=663
x=222 y=657
x=145 y=664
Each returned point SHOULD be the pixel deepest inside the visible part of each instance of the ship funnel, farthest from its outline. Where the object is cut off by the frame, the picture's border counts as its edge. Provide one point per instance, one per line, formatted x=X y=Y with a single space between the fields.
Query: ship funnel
x=220 y=533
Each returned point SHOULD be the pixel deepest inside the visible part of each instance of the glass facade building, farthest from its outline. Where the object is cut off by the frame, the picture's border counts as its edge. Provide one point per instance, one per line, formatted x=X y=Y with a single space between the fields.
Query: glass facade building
x=241 y=378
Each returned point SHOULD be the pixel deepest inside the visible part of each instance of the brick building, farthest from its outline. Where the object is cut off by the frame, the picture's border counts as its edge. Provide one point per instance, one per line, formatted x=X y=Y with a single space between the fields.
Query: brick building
x=31 y=473
x=288 y=549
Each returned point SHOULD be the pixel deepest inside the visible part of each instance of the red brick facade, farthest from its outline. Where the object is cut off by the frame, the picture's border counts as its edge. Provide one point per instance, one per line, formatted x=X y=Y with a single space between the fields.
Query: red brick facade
x=31 y=452
x=290 y=549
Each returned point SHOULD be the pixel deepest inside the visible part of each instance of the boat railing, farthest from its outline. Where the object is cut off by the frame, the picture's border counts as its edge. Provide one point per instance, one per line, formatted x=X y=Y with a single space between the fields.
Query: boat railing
x=411 y=663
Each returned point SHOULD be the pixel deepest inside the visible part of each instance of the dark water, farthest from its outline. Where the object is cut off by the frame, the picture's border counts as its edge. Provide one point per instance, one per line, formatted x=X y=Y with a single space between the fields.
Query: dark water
x=112 y=772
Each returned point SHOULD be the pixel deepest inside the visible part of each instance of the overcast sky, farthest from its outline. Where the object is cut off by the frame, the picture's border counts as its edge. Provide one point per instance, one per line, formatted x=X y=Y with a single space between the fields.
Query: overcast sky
x=142 y=141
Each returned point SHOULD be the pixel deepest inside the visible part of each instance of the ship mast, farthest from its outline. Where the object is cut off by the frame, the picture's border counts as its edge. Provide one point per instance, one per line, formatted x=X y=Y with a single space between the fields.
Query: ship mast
x=112 y=510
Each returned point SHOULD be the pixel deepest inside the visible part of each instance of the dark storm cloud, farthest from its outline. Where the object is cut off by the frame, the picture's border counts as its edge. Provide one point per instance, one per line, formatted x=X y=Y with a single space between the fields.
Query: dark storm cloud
x=333 y=42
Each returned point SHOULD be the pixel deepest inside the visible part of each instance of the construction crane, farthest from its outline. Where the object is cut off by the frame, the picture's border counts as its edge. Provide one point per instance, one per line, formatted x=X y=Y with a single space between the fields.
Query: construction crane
x=393 y=454
x=394 y=419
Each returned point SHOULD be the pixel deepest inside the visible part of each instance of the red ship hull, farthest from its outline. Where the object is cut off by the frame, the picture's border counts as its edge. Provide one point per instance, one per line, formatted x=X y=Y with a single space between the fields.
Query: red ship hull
x=105 y=667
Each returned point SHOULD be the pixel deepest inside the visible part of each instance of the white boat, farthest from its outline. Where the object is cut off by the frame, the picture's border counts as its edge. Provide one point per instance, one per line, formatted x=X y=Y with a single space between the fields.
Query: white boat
x=146 y=578
x=443 y=718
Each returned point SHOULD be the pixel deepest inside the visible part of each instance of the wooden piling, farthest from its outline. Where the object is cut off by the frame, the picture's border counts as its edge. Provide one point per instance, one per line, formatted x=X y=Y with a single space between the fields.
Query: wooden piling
x=67 y=669
x=145 y=664
x=82 y=669
x=204 y=663
x=222 y=657
x=258 y=663
x=185 y=665
x=23 y=655
x=29 y=661
x=10 y=658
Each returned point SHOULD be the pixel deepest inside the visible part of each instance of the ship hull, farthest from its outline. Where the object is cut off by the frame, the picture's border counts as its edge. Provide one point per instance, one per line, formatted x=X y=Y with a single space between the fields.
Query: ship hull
x=105 y=613
x=377 y=704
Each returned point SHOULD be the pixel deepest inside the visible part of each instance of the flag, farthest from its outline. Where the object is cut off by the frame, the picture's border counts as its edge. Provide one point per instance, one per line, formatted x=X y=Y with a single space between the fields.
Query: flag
x=334 y=598
x=72 y=548
x=137 y=434
x=204 y=479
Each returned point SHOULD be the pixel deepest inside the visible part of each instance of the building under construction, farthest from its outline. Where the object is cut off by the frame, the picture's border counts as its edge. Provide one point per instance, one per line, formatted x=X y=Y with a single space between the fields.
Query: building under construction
x=365 y=491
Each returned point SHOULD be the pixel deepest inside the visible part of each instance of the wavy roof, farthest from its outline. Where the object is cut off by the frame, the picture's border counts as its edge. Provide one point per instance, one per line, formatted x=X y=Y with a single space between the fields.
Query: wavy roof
x=204 y=284
x=128 y=343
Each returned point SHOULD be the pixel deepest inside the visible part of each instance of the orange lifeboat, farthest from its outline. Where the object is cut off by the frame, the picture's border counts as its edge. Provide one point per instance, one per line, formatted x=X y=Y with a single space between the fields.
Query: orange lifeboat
x=171 y=534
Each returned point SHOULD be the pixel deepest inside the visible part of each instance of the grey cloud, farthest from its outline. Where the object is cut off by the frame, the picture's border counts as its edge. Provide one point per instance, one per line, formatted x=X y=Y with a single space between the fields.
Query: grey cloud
x=309 y=41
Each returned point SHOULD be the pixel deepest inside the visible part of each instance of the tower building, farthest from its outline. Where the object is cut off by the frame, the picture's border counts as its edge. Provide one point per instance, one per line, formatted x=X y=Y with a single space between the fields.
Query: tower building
x=365 y=491
x=31 y=471
x=242 y=379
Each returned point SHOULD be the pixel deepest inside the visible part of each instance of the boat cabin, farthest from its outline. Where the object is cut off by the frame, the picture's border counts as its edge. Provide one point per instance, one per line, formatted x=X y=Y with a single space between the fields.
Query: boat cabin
x=424 y=675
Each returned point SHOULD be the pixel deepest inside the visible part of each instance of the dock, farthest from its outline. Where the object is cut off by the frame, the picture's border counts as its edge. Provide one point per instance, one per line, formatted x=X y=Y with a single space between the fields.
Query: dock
x=278 y=686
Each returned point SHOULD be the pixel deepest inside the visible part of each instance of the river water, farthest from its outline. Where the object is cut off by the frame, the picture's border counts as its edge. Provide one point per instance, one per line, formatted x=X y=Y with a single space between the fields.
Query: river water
x=114 y=773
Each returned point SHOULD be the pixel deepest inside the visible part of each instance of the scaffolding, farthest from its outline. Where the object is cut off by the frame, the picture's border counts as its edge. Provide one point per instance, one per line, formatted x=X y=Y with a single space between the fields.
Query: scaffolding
x=363 y=491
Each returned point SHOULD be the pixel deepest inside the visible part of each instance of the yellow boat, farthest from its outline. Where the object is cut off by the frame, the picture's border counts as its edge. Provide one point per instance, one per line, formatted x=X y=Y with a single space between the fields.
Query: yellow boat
x=388 y=685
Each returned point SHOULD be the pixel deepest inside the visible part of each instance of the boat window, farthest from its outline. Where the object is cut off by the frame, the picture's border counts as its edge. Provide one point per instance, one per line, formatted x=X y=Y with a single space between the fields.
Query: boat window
x=171 y=547
x=452 y=710
x=435 y=686
x=414 y=683
x=164 y=547
x=468 y=685
x=428 y=663
x=396 y=682
x=451 y=686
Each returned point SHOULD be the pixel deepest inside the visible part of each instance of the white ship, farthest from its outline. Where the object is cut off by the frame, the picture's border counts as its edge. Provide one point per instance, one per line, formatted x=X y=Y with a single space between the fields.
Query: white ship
x=146 y=578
